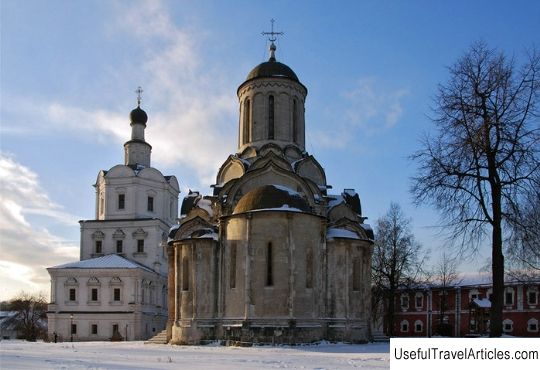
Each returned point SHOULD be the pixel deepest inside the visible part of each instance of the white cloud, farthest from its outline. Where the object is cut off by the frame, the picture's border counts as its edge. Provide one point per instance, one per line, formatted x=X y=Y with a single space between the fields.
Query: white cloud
x=372 y=108
x=368 y=109
x=26 y=247
x=196 y=128
x=192 y=109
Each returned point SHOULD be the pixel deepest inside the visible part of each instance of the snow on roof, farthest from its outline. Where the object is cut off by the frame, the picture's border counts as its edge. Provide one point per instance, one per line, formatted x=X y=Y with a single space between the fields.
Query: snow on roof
x=482 y=303
x=366 y=227
x=335 y=200
x=284 y=188
x=341 y=233
x=206 y=205
x=209 y=235
x=110 y=261
x=172 y=231
x=284 y=207
x=474 y=278
x=245 y=162
x=350 y=192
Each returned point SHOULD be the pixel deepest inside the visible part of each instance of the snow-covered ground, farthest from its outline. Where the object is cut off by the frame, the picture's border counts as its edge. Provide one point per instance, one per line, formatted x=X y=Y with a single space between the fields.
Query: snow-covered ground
x=15 y=355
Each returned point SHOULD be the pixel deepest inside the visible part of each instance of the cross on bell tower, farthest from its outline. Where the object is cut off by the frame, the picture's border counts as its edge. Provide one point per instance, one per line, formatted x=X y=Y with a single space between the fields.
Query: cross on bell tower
x=272 y=37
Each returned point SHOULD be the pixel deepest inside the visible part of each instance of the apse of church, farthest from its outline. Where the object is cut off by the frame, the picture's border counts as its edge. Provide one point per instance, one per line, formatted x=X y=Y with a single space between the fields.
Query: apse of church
x=270 y=256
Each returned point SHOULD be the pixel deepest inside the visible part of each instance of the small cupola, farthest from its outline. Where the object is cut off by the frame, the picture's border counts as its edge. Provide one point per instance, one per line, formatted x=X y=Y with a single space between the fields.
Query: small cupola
x=137 y=151
x=138 y=115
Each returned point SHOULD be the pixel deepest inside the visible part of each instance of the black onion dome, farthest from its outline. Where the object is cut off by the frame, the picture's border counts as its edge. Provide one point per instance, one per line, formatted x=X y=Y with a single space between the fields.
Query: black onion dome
x=271 y=197
x=272 y=69
x=137 y=115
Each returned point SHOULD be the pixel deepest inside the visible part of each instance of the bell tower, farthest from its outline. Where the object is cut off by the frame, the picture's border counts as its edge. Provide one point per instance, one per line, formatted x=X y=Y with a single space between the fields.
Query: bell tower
x=137 y=151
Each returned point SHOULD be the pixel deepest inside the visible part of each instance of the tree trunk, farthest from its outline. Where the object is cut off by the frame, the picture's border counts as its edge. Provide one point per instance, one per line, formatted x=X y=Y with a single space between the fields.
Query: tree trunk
x=497 y=258
x=497 y=270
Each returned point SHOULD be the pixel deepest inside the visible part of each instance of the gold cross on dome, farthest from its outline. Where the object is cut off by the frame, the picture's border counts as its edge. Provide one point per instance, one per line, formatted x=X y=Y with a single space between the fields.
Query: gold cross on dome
x=272 y=34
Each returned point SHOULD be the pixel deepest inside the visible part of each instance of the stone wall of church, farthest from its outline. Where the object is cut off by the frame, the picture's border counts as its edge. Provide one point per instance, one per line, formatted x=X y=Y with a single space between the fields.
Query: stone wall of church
x=349 y=281
x=312 y=289
x=286 y=237
x=194 y=287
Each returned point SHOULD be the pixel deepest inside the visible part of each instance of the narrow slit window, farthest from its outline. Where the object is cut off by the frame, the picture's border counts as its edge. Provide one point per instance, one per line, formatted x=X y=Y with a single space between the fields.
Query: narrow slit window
x=247 y=128
x=185 y=273
x=150 y=204
x=356 y=274
x=309 y=269
x=295 y=122
x=269 y=265
x=94 y=294
x=271 y=117
x=232 y=272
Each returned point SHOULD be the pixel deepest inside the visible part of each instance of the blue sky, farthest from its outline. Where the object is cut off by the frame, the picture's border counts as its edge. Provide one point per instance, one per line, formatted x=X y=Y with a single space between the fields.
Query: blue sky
x=69 y=70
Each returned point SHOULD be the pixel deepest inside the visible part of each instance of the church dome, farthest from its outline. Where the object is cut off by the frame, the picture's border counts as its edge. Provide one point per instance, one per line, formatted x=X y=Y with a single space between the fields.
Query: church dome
x=137 y=115
x=271 y=197
x=272 y=68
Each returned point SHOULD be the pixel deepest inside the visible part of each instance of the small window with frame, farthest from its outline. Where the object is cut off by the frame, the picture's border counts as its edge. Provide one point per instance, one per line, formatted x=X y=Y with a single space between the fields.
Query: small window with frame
x=119 y=246
x=140 y=246
x=116 y=294
x=509 y=297
x=99 y=246
x=121 y=201
x=404 y=301
x=404 y=326
x=94 y=295
x=419 y=300
x=532 y=297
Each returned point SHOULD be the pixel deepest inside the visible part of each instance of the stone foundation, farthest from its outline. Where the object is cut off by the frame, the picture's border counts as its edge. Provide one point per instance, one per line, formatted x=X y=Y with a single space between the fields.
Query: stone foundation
x=245 y=333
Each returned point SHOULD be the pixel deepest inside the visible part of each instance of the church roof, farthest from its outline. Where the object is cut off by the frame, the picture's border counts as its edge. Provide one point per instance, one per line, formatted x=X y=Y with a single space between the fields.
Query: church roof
x=272 y=197
x=272 y=68
x=110 y=261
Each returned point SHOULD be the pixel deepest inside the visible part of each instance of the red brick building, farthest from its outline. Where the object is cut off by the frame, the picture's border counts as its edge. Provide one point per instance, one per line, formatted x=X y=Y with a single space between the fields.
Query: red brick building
x=463 y=310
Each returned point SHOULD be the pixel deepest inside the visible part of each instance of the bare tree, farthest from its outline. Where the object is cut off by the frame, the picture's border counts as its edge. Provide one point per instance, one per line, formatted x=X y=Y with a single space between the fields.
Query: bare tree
x=525 y=235
x=397 y=260
x=485 y=155
x=29 y=316
x=445 y=277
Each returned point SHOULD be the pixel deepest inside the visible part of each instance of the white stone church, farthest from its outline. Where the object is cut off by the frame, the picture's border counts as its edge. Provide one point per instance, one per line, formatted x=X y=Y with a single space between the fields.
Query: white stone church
x=118 y=289
x=271 y=256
